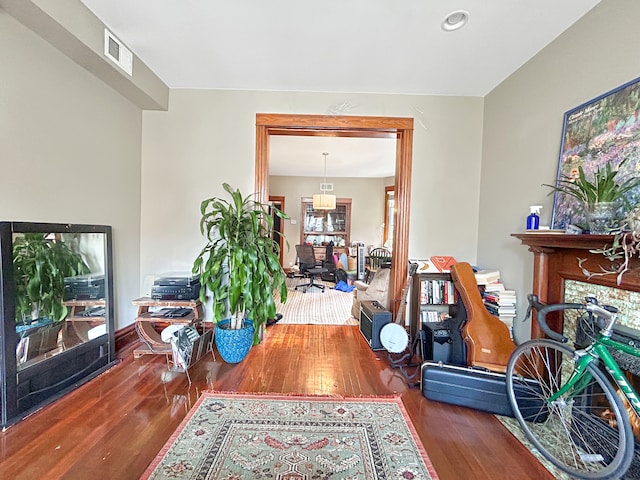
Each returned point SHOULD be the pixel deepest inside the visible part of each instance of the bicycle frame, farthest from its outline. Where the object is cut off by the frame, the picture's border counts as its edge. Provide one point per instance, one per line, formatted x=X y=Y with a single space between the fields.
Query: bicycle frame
x=581 y=377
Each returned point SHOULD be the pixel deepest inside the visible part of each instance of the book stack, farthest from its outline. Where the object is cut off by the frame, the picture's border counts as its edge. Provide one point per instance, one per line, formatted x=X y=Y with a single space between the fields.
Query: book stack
x=437 y=292
x=498 y=300
x=485 y=277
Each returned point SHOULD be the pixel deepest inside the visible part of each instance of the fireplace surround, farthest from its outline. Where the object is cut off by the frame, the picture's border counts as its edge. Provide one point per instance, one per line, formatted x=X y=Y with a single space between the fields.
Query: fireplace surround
x=555 y=260
x=561 y=269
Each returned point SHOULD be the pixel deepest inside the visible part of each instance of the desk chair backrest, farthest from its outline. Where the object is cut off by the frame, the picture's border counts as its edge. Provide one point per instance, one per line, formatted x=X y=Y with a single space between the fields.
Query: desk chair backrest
x=306 y=257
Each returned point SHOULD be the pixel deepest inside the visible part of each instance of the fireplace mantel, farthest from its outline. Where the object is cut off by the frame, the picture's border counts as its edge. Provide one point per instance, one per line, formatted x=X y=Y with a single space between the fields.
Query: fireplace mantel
x=556 y=260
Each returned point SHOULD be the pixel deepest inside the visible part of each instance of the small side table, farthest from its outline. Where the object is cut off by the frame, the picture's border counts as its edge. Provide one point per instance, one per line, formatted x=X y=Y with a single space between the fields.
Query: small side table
x=152 y=343
x=78 y=320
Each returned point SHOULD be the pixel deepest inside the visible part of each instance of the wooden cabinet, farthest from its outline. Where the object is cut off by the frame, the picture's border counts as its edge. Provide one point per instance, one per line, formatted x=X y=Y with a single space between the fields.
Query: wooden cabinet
x=320 y=252
x=319 y=227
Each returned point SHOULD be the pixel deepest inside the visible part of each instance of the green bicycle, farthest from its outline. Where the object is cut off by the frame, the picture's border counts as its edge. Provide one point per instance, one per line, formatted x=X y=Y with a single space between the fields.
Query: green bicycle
x=583 y=426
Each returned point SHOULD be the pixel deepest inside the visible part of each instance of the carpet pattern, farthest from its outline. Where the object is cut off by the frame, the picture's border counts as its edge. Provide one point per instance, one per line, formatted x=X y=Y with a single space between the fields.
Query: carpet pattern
x=514 y=427
x=332 y=307
x=241 y=436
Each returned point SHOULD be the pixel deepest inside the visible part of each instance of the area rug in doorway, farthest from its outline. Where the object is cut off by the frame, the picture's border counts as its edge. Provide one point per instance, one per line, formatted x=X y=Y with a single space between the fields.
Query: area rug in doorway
x=331 y=307
x=239 y=436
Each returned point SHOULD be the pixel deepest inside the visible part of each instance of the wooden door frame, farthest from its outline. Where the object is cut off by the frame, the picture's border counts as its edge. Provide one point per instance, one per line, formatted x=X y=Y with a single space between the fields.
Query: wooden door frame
x=279 y=199
x=387 y=189
x=268 y=124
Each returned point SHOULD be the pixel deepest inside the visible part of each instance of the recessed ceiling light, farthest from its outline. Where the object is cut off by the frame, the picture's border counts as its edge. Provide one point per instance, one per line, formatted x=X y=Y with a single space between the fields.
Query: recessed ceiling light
x=455 y=20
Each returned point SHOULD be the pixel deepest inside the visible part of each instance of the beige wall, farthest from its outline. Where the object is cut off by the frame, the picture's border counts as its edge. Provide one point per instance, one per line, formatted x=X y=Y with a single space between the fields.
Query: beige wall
x=477 y=163
x=208 y=137
x=69 y=150
x=523 y=124
x=367 y=206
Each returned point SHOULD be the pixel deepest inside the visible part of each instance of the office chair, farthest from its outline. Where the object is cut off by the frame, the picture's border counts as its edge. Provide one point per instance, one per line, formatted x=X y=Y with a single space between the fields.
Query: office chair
x=309 y=267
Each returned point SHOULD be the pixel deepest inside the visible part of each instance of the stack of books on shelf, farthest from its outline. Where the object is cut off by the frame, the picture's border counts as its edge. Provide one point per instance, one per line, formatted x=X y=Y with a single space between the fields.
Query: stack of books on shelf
x=427 y=316
x=437 y=292
x=498 y=300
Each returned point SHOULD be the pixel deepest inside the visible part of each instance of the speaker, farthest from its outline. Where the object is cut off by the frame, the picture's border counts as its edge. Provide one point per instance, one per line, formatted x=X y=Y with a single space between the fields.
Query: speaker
x=361 y=265
x=373 y=317
x=436 y=342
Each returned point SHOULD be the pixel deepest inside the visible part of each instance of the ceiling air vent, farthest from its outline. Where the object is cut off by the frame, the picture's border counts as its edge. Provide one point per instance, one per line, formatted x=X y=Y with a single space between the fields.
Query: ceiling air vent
x=115 y=50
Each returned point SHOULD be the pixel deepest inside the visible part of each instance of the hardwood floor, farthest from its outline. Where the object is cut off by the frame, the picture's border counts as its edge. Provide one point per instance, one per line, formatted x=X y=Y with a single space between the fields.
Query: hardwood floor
x=113 y=427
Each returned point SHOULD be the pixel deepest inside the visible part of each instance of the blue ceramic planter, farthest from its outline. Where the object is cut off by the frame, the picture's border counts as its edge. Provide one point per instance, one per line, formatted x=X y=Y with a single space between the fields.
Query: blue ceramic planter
x=233 y=345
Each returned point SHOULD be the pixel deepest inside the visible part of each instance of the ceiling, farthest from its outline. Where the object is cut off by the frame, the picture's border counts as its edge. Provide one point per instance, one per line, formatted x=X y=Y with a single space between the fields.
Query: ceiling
x=357 y=46
x=348 y=157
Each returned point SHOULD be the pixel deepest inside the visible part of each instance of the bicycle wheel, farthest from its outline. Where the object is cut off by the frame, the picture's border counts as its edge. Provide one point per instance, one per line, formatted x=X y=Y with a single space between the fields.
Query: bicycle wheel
x=585 y=433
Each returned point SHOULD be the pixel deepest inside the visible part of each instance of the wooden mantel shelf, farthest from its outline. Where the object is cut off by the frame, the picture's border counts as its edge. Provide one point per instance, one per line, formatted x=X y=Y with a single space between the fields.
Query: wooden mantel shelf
x=559 y=257
x=560 y=240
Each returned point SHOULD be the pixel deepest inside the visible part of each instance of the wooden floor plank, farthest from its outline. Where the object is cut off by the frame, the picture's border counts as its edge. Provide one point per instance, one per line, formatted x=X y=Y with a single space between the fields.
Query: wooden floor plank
x=114 y=426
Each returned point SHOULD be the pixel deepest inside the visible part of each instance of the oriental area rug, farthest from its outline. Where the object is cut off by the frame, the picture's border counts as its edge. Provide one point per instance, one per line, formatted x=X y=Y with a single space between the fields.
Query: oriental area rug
x=239 y=436
x=314 y=307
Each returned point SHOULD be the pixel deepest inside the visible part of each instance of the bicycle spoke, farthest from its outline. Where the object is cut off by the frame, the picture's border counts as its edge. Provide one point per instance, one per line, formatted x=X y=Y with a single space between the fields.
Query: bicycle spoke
x=577 y=430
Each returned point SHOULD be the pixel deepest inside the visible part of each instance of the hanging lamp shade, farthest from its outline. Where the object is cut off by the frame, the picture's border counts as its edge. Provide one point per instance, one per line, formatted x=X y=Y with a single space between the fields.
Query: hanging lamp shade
x=324 y=200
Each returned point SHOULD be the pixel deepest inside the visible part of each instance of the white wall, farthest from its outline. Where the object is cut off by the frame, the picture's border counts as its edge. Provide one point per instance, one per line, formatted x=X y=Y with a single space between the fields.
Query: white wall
x=208 y=137
x=523 y=125
x=69 y=150
x=367 y=206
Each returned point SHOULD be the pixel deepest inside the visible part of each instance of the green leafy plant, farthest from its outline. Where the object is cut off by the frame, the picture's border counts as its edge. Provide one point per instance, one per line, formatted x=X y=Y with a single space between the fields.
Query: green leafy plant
x=603 y=187
x=240 y=264
x=40 y=265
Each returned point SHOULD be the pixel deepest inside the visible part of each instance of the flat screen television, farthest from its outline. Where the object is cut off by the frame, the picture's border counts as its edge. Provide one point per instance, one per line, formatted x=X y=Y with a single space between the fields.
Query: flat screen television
x=56 y=306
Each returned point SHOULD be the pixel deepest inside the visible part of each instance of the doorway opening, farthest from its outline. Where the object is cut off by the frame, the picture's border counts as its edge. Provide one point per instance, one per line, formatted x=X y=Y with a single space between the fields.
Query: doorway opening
x=350 y=126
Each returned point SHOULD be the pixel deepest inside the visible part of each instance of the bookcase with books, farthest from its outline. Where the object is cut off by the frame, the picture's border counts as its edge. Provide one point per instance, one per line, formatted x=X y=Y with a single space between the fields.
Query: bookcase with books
x=433 y=296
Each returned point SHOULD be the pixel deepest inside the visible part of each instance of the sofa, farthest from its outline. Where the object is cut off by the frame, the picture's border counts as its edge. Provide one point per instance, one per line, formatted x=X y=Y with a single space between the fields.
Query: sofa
x=377 y=290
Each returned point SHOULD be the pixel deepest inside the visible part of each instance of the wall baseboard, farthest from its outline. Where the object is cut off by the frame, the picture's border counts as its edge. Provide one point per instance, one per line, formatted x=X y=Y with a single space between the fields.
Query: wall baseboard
x=126 y=339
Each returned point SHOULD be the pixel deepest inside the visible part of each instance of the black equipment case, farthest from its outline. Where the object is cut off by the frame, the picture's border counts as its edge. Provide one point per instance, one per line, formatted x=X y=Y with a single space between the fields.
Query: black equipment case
x=474 y=388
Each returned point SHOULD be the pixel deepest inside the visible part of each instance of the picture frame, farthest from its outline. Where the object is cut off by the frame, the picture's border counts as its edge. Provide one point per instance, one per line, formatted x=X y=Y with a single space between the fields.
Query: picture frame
x=603 y=130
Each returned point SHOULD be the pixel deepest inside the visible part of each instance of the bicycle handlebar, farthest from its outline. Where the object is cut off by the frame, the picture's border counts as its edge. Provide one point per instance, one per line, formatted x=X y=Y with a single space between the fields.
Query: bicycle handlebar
x=607 y=312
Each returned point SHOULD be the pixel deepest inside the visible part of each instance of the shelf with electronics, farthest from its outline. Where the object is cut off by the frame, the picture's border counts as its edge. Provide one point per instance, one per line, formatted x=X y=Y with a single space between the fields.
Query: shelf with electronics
x=434 y=303
x=433 y=295
x=86 y=319
x=151 y=315
x=319 y=226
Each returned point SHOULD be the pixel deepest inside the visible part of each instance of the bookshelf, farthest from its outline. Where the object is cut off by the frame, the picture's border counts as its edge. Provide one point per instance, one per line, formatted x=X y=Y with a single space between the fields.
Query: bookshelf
x=432 y=298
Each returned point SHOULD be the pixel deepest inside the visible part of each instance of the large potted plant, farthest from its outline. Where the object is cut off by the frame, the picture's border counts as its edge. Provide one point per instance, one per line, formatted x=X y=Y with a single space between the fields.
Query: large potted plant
x=600 y=196
x=41 y=264
x=240 y=268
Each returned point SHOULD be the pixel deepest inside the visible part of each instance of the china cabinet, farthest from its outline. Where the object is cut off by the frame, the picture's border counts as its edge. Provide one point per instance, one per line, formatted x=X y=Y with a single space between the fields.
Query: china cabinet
x=319 y=227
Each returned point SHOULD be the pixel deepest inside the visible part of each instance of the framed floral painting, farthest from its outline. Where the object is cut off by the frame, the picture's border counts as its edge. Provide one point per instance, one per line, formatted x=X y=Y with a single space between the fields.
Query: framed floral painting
x=603 y=130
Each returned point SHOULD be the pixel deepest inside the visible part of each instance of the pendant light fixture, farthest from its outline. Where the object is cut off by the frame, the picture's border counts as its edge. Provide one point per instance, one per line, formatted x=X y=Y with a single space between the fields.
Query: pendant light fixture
x=323 y=200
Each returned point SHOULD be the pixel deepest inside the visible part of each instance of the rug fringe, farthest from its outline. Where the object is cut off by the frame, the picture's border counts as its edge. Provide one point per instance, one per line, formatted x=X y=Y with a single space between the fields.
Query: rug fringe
x=338 y=396
x=395 y=398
